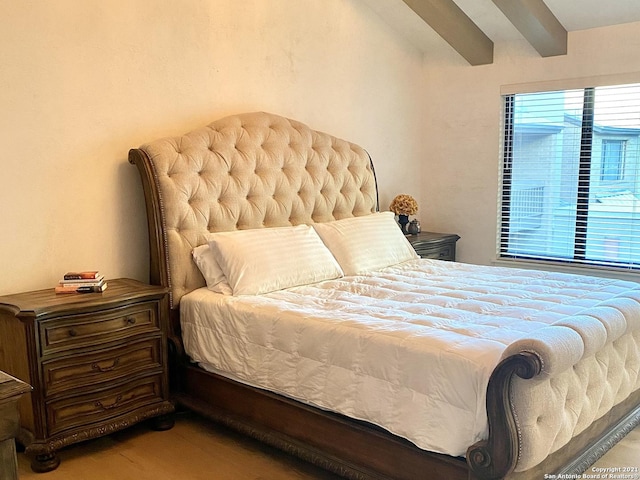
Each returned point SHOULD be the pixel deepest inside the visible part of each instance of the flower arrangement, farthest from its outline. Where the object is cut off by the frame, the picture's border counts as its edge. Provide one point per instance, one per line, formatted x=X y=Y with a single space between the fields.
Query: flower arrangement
x=404 y=205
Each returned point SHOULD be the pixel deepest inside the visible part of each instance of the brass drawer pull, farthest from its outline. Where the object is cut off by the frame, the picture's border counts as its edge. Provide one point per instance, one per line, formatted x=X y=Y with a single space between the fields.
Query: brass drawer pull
x=114 y=364
x=109 y=407
x=131 y=320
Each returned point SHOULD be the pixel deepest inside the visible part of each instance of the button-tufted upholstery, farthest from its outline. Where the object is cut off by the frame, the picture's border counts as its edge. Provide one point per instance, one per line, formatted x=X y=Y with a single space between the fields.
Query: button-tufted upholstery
x=553 y=408
x=252 y=170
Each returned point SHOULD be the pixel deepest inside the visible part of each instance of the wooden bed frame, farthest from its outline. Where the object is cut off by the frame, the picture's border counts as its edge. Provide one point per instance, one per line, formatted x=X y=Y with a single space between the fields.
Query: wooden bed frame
x=355 y=449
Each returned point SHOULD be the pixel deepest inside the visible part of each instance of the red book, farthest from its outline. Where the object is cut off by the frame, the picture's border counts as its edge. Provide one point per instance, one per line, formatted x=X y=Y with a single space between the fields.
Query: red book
x=84 y=281
x=89 y=274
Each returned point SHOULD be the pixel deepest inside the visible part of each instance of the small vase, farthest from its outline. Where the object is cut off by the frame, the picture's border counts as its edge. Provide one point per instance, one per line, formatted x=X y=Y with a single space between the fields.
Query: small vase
x=414 y=227
x=403 y=220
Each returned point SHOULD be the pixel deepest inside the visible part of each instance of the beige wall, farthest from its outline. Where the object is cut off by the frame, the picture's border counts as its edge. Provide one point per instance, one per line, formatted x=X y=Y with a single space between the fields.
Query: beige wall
x=462 y=126
x=84 y=81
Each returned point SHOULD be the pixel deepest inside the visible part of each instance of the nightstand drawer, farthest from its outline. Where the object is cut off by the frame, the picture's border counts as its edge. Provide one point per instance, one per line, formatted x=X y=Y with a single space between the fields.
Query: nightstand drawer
x=100 y=366
x=80 y=330
x=438 y=246
x=83 y=410
x=446 y=252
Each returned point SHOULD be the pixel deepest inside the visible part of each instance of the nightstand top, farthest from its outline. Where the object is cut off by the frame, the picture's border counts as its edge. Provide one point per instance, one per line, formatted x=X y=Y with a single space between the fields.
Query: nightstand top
x=11 y=387
x=39 y=303
x=432 y=237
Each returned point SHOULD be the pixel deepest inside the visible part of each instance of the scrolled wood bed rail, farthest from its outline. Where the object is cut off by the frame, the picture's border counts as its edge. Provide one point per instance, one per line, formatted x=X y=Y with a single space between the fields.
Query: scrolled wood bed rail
x=158 y=264
x=158 y=272
x=496 y=457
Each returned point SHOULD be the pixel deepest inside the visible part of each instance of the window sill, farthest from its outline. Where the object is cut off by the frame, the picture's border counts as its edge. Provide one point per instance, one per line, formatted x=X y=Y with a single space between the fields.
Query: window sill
x=573 y=269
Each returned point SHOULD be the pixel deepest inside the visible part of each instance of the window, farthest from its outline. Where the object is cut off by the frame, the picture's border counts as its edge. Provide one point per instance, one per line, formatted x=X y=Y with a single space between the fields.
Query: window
x=570 y=180
x=612 y=160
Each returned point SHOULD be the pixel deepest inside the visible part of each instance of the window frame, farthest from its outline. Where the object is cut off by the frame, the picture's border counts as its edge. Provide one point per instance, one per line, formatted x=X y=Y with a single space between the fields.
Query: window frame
x=584 y=186
x=620 y=160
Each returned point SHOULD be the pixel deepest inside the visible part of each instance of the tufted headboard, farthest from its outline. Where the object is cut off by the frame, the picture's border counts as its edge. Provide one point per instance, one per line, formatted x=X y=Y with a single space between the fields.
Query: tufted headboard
x=251 y=170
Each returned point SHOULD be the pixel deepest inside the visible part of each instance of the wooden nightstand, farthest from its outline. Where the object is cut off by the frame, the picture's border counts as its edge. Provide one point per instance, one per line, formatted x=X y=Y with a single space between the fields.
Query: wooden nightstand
x=11 y=389
x=441 y=246
x=97 y=363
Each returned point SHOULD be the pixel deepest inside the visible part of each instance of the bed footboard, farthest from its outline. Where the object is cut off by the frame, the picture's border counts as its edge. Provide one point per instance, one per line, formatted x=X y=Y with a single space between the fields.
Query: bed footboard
x=551 y=421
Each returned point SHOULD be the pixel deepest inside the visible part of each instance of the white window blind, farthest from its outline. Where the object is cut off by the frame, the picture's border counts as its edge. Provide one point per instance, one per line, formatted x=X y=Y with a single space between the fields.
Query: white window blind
x=571 y=176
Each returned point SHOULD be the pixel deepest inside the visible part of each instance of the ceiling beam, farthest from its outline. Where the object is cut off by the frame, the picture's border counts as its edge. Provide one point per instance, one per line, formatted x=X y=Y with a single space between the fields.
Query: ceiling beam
x=537 y=24
x=453 y=25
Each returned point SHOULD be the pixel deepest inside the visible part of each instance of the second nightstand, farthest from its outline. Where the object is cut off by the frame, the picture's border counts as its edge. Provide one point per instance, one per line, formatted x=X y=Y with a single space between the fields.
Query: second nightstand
x=97 y=363
x=441 y=246
x=11 y=389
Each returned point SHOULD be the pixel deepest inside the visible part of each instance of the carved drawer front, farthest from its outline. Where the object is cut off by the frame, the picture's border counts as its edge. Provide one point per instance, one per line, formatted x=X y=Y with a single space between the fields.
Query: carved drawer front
x=444 y=252
x=88 y=329
x=86 y=370
x=84 y=410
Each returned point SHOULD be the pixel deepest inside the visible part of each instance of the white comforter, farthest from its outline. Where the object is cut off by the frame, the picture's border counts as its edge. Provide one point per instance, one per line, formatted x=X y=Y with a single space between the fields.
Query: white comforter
x=409 y=348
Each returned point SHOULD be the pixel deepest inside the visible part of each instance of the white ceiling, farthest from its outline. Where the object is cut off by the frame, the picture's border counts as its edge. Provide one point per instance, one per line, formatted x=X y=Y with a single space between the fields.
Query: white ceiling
x=585 y=14
x=572 y=14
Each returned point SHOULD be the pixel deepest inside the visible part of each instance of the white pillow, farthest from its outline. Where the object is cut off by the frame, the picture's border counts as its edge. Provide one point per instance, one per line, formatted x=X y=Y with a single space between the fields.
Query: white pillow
x=268 y=259
x=366 y=243
x=208 y=265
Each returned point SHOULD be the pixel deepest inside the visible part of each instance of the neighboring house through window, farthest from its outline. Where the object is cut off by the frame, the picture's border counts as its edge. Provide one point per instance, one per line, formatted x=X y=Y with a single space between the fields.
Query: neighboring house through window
x=570 y=182
x=612 y=160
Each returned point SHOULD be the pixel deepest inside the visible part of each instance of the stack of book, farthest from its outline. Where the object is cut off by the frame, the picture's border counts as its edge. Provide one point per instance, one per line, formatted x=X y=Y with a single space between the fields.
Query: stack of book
x=82 y=282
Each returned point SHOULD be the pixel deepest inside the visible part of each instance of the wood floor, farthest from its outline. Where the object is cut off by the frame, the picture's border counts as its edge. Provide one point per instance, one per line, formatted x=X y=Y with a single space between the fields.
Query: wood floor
x=196 y=449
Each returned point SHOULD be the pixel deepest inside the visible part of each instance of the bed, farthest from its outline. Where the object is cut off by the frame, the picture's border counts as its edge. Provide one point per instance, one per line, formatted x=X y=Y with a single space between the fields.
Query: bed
x=399 y=367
